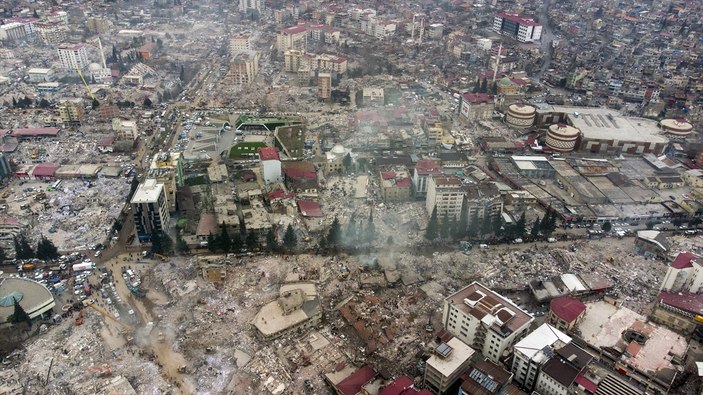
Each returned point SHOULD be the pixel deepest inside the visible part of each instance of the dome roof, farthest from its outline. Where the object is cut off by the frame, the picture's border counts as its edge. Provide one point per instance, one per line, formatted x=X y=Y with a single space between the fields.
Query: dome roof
x=522 y=109
x=563 y=130
x=677 y=126
x=94 y=67
x=505 y=81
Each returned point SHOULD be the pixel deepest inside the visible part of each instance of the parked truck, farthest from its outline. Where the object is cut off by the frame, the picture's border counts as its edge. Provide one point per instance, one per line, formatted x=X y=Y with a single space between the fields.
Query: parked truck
x=78 y=267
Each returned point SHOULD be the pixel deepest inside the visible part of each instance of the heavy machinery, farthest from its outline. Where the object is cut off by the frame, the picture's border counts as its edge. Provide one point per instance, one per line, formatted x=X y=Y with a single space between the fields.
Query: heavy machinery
x=104 y=370
x=79 y=319
x=90 y=303
x=162 y=257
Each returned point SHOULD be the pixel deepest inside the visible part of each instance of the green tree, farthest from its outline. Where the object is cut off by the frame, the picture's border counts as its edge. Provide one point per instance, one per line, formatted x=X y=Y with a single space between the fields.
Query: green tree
x=22 y=248
x=334 y=235
x=494 y=88
x=444 y=226
x=485 y=225
x=477 y=85
x=95 y=104
x=432 y=230
x=271 y=242
x=650 y=225
x=463 y=223
x=607 y=226
x=473 y=225
x=497 y=225
x=3 y=255
x=43 y=103
x=484 y=86
x=347 y=163
x=237 y=243
x=370 y=231
x=19 y=315
x=290 y=240
x=46 y=250
x=14 y=103
x=520 y=227
x=161 y=243
x=182 y=74
x=351 y=234
x=535 y=229
x=181 y=245
x=694 y=222
x=223 y=241
x=211 y=243
x=252 y=240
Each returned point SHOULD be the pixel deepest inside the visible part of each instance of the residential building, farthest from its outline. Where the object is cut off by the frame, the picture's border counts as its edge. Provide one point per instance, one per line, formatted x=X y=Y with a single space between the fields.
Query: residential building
x=297 y=308
x=73 y=57
x=244 y=67
x=240 y=42
x=97 y=25
x=446 y=365
x=271 y=164
x=477 y=106
x=71 y=112
x=680 y=311
x=378 y=28
x=565 y=312
x=559 y=374
x=295 y=37
x=293 y=60
x=424 y=169
x=521 y=29
x=167 y=168
x=125 y=129
x=485 y=320
x=445 y=195
x=483 y=200
x=486 y=378
x=534 y=351
x=684 y=274
x=693 y=178
x=39 y=75
x=403 y=385
x=51 y=33
x=652 y=243
x=324 y=86
x=373 y=97
x=251 y=5
x=12 y=31
x=395 y=186
x=150 y=209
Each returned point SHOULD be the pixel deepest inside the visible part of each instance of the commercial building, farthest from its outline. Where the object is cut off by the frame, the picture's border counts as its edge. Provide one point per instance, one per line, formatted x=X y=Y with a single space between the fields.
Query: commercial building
x=680 y=311
x=652 y=243
x=649 y=354
x=251 y=5
x=533 y=166
x=521 y=29
x=520 y=115
x=446 y=365
x=297 y=308
x=444 y=195
x=244 y=67
x=270 y=164
x=150 y=209
x=532 y=352
x=477 y=106
x=562 y=137
x=39 y=75
x=73 y=57
x=482 y=200
x=36 y=300
x=485 y=320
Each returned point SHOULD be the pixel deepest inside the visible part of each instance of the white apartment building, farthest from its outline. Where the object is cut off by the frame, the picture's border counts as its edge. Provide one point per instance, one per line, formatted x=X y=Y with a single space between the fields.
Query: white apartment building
x=485 y=320
x=251 y=5
x=125 y=129
x=684 y=274
x=424 y=169
x=51 y=32
x=324 y=86
x=72 y=57
x=150 y=208
x=295 y=37
x=444 y=194
x=530 y=353
x=521 y=29
x=239 y=42
x=446 y=364
x=14 y=31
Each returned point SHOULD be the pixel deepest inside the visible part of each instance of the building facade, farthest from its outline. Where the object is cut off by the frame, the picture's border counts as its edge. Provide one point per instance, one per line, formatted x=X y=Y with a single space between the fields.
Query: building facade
x=532 y=352
x=150 y=209
x=446 y=365
x=424 y=169
x=521 y=29
x=244 y=67
x=485 y=320
x=477 y=106
x=73 y=57
x=445 y=195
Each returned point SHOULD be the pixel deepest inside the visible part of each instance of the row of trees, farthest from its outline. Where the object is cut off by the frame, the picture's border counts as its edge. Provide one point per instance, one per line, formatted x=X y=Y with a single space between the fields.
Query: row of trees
x=481 y=86
x=223 y=242
x=46 y=250
x=476 y=228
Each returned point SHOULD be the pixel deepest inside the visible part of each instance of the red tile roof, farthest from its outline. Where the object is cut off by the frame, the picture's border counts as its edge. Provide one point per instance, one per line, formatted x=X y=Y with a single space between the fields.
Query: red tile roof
x=309 y=208
x=387 y=175
x=403 y=385
x=36 y=132
x=295 y=29
x=352 y=384
x=402 y=182
x=45 y=170
x=683 y=260
x=690 y=302
x=427 y=167
x=567 y=308
x=478 y=98
x=280 y=194
x=586 y=383
x=518 y=19
x=269 y=153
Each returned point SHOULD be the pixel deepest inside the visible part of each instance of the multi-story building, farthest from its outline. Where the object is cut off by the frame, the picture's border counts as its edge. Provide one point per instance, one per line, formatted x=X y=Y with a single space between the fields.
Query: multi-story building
x=334 y=159
x=271 y=164
x=125 y=129
x=680 y=311
x=445 y=195
x=446 y=364
x=324 y=86
x=395 y=186
x=379 y=28
x=51 y=32
x=558 y=375
x=14 y=31
x=150 y=208
x=530 y=353
x=251 y=5
x=293 y=60
x=486 y=378
x=167 y=168
x=294 y=37
x=521 y=29
x=424 y=169
x=244 y=67
x=296 y=60
x=39 y=75
x=565 y=312
x=239 y=42
x=685 y=274
x=97 y=25
x=485 y=320
x=73 y=57
x=477 y=106
x=71 y=112
x=483 y=200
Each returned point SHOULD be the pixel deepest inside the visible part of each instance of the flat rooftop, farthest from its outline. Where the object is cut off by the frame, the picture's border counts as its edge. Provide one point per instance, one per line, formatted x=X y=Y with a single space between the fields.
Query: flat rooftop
x=147 y=192
x=448 y=365
x=544 y=336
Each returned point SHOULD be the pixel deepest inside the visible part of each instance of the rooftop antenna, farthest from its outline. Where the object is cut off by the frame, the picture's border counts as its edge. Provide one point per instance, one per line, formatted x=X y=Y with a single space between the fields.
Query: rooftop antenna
x=422 y=28
x=102 y=55
x=495 y=71
x=412 y=33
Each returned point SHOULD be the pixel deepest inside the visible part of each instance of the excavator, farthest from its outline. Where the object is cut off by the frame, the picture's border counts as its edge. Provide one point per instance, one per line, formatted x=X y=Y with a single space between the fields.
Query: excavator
x=104 y=370
x=162 y=257
x=126 y=330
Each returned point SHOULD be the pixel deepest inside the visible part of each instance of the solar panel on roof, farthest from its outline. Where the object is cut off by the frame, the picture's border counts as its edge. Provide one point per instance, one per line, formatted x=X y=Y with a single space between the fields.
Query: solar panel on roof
x=484 y=380
x=444 y=350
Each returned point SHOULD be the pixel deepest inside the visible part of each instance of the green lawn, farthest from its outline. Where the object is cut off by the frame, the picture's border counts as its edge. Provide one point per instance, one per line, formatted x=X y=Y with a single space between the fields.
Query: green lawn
x=245 y=150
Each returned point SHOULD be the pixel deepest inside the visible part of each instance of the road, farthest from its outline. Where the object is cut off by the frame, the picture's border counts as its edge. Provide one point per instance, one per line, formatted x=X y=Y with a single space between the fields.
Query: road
x=547 y=38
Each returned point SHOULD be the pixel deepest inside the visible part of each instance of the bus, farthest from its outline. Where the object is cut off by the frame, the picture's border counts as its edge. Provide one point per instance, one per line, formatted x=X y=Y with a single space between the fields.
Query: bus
x=54 y=186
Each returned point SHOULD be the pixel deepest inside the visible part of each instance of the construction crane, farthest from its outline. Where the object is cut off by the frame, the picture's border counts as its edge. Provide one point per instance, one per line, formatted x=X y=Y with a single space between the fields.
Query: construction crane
x=99 y=47
x=90 y=92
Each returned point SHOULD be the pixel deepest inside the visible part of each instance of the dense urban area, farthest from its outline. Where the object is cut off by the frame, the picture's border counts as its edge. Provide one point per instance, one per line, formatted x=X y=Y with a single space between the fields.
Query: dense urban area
x=473 y=197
